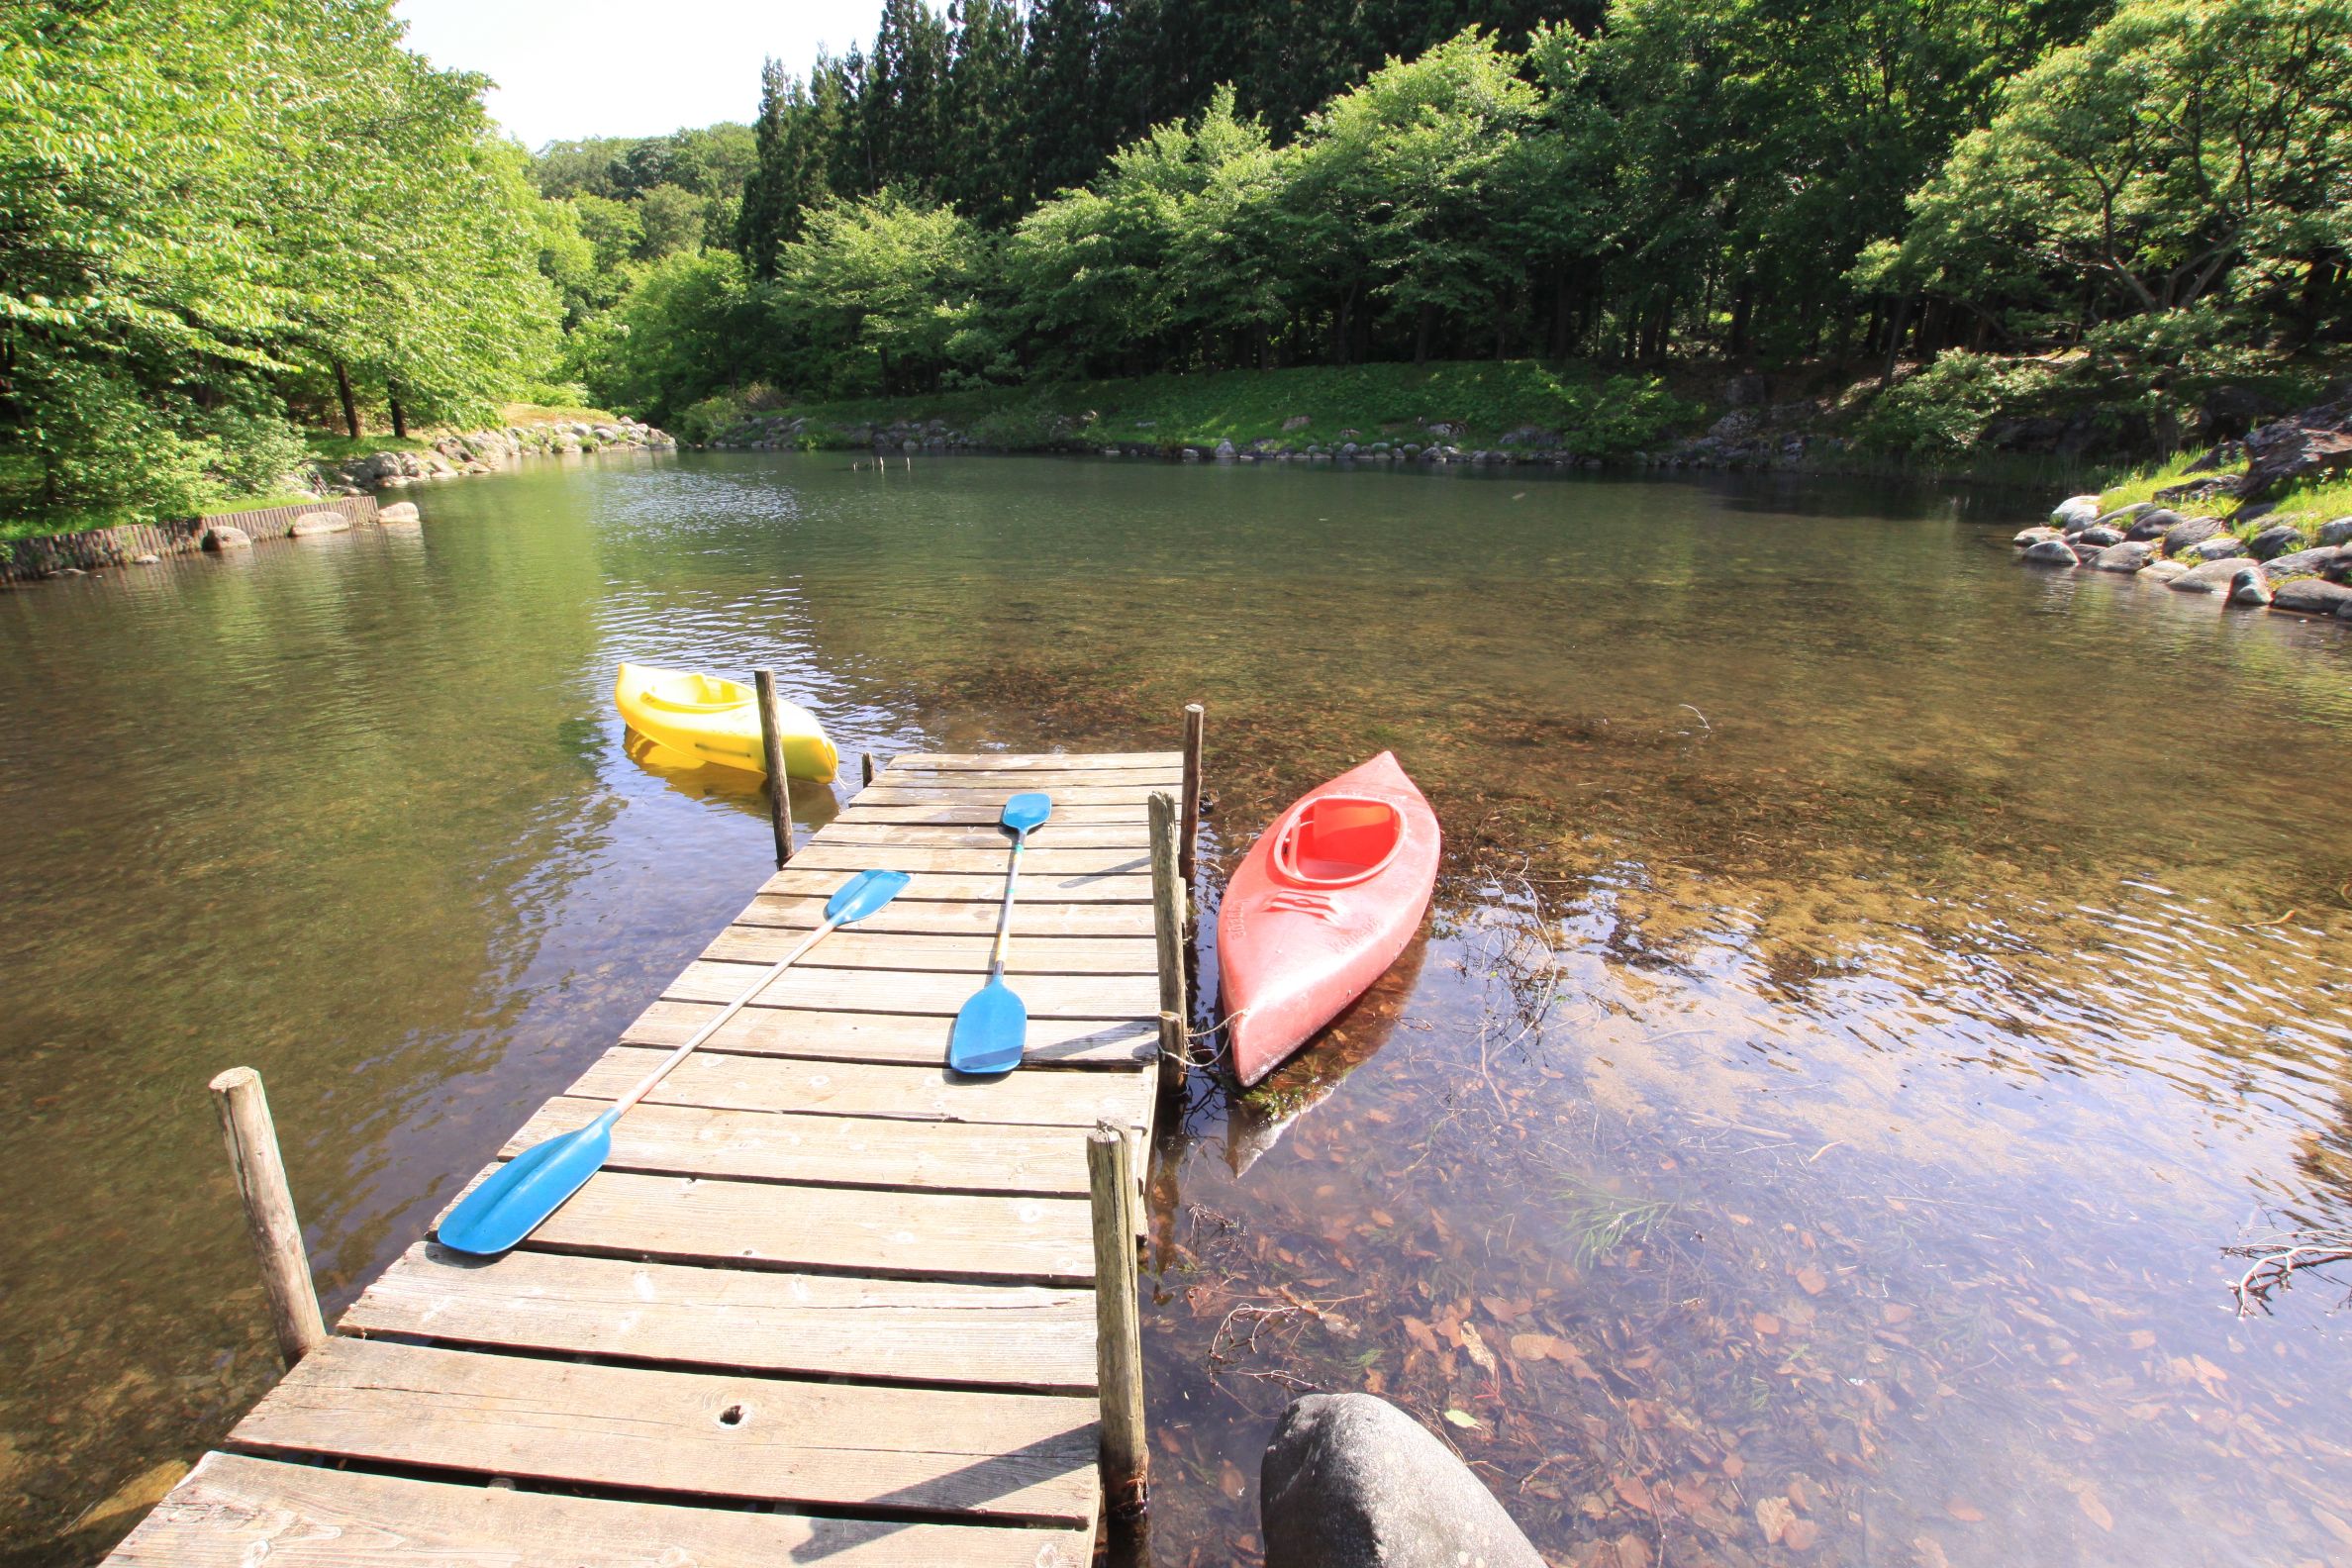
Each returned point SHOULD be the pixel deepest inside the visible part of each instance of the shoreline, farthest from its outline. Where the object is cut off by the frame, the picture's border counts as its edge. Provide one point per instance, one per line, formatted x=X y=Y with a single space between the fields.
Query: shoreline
x=38 y=557
x=2265 y=522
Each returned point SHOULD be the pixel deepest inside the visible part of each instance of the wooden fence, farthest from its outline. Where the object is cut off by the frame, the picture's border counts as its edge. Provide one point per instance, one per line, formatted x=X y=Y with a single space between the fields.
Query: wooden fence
x=22 y=560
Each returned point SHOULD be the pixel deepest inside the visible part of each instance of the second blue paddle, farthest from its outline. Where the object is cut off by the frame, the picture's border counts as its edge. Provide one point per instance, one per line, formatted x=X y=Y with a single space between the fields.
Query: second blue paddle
x=993 y=1025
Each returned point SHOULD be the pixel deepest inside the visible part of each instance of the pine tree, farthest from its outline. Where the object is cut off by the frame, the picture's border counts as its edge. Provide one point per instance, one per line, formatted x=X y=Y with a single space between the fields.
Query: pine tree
x=984 y=168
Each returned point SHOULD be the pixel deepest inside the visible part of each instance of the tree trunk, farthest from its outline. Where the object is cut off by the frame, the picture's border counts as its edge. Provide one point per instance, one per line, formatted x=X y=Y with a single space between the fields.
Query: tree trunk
x=351 y=407
x=1743 y=308
x=1423 y=318
x=1903 y=309
x=399 y=414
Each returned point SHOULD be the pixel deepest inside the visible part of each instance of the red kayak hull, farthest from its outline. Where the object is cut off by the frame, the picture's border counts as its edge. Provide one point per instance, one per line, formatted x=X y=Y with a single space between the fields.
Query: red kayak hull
x=1320 y=908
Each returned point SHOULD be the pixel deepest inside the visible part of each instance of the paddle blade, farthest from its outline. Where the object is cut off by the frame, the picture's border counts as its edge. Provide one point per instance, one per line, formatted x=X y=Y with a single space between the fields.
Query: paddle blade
x=990 y=1031
x=1027 y=810
x=863 y=894
x=526 y=1190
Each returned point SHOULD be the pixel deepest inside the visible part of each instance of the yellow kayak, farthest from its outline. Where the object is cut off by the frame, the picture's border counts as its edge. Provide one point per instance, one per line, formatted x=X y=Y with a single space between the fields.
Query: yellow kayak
x=708 y=719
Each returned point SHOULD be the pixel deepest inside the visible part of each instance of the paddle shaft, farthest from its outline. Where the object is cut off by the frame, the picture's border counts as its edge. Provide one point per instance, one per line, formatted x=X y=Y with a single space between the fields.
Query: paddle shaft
x=652 y=1080
x=1004 y=936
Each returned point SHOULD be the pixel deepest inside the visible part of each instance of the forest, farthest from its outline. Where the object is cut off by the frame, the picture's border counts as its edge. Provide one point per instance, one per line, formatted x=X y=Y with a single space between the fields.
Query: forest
x=224 y=223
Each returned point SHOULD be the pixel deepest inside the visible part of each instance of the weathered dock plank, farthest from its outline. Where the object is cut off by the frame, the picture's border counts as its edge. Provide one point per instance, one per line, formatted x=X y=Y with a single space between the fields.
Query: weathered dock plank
x=730 y=1082
x=235 y=1511
x=921 y=952
x=806 y=912
x=1085 y=887
x=952 y=1332
x=1049 y=996
x=908 y=1039
x=1023 y=1456
x=1034 y=761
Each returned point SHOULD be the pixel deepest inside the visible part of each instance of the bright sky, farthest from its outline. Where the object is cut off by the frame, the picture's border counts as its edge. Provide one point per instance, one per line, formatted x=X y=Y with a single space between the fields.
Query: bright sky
x=623 y=68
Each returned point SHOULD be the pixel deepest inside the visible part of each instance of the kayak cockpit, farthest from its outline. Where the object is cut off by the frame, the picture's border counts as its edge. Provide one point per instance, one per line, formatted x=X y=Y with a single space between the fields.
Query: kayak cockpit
x=1339 y=840
x=696 y=694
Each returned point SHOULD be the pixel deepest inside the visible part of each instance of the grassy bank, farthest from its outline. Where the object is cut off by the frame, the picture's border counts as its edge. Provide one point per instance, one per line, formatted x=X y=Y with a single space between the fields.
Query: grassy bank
x=1478 y=402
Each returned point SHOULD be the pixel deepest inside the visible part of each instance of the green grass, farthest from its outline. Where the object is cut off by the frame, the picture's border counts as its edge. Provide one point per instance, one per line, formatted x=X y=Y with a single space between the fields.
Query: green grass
x=555 y=414
x=260 y=503
x=2144 y=483
x=2325 y=502
x=1395 y=403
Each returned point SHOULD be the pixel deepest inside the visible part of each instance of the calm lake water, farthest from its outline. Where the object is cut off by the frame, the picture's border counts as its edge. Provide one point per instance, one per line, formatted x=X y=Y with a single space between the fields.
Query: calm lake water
x=1870 y=986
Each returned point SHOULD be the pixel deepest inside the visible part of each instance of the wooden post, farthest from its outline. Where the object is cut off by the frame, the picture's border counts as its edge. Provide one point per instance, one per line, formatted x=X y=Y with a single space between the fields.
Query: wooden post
x=771 y=741
x=1167 y=923
x=1118 y=1326
x=865 y=762
x=1189 y=837
x=270 y=1212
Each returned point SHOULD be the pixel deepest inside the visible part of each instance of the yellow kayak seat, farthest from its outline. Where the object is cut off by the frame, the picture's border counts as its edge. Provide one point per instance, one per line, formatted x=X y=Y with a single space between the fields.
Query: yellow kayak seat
x=711 y=721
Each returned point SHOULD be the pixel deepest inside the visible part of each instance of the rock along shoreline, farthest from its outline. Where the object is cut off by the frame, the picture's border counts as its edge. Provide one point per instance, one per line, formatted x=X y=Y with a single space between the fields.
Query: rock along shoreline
x=339 y=485
x=2265 y=556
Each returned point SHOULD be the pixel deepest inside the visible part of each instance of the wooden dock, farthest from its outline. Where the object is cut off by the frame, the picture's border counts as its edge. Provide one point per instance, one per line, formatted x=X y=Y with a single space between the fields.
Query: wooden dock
x=826 y=1302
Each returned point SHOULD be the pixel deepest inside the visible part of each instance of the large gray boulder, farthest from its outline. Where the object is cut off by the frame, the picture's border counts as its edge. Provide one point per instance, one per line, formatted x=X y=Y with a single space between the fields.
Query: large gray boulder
x=2303 y=563
x=1350 y=1480
x=2194 y=531
x=2249 y=587
x=2076 y=512
x=2154 y=523
x=2128 y=556
x=397 y=512
x=2036 y=536
x=2339 y=531
x=311 y=524
x=2050 y=552
x=2223 y=547
x=2095 y=534
x=226 y=537
x=2214 y=576
x=2312 y=596
x=2275 y=542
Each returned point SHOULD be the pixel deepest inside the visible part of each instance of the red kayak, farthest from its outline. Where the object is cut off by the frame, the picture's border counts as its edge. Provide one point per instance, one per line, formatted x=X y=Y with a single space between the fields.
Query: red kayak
x=1322 y=905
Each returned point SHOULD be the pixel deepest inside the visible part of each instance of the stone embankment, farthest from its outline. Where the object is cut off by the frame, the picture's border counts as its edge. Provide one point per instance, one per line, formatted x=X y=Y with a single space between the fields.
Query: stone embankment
x=2266 y=553
x=1758 y=431
x=485 y=451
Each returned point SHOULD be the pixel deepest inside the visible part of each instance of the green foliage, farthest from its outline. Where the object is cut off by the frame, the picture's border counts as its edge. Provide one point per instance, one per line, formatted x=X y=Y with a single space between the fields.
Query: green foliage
x=2184 y=146
x=257 y=452
x=206 y=204
x=1943 y=411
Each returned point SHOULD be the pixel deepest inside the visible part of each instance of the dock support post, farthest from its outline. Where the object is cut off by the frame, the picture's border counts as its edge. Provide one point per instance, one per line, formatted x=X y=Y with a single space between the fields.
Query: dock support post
x=269 y=1213
x=1168 y=929
x=1188 y=840
x=771 y=741
x=865 y=766
x=1118 y=1326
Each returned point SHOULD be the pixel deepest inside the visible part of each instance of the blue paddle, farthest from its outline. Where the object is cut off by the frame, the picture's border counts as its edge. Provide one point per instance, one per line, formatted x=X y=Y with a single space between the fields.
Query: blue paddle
x=994 y=1025
x=534 y=1183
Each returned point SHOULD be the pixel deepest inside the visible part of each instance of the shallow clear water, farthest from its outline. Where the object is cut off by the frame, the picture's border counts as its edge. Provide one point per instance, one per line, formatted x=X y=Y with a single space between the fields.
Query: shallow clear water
x=1870 y=985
